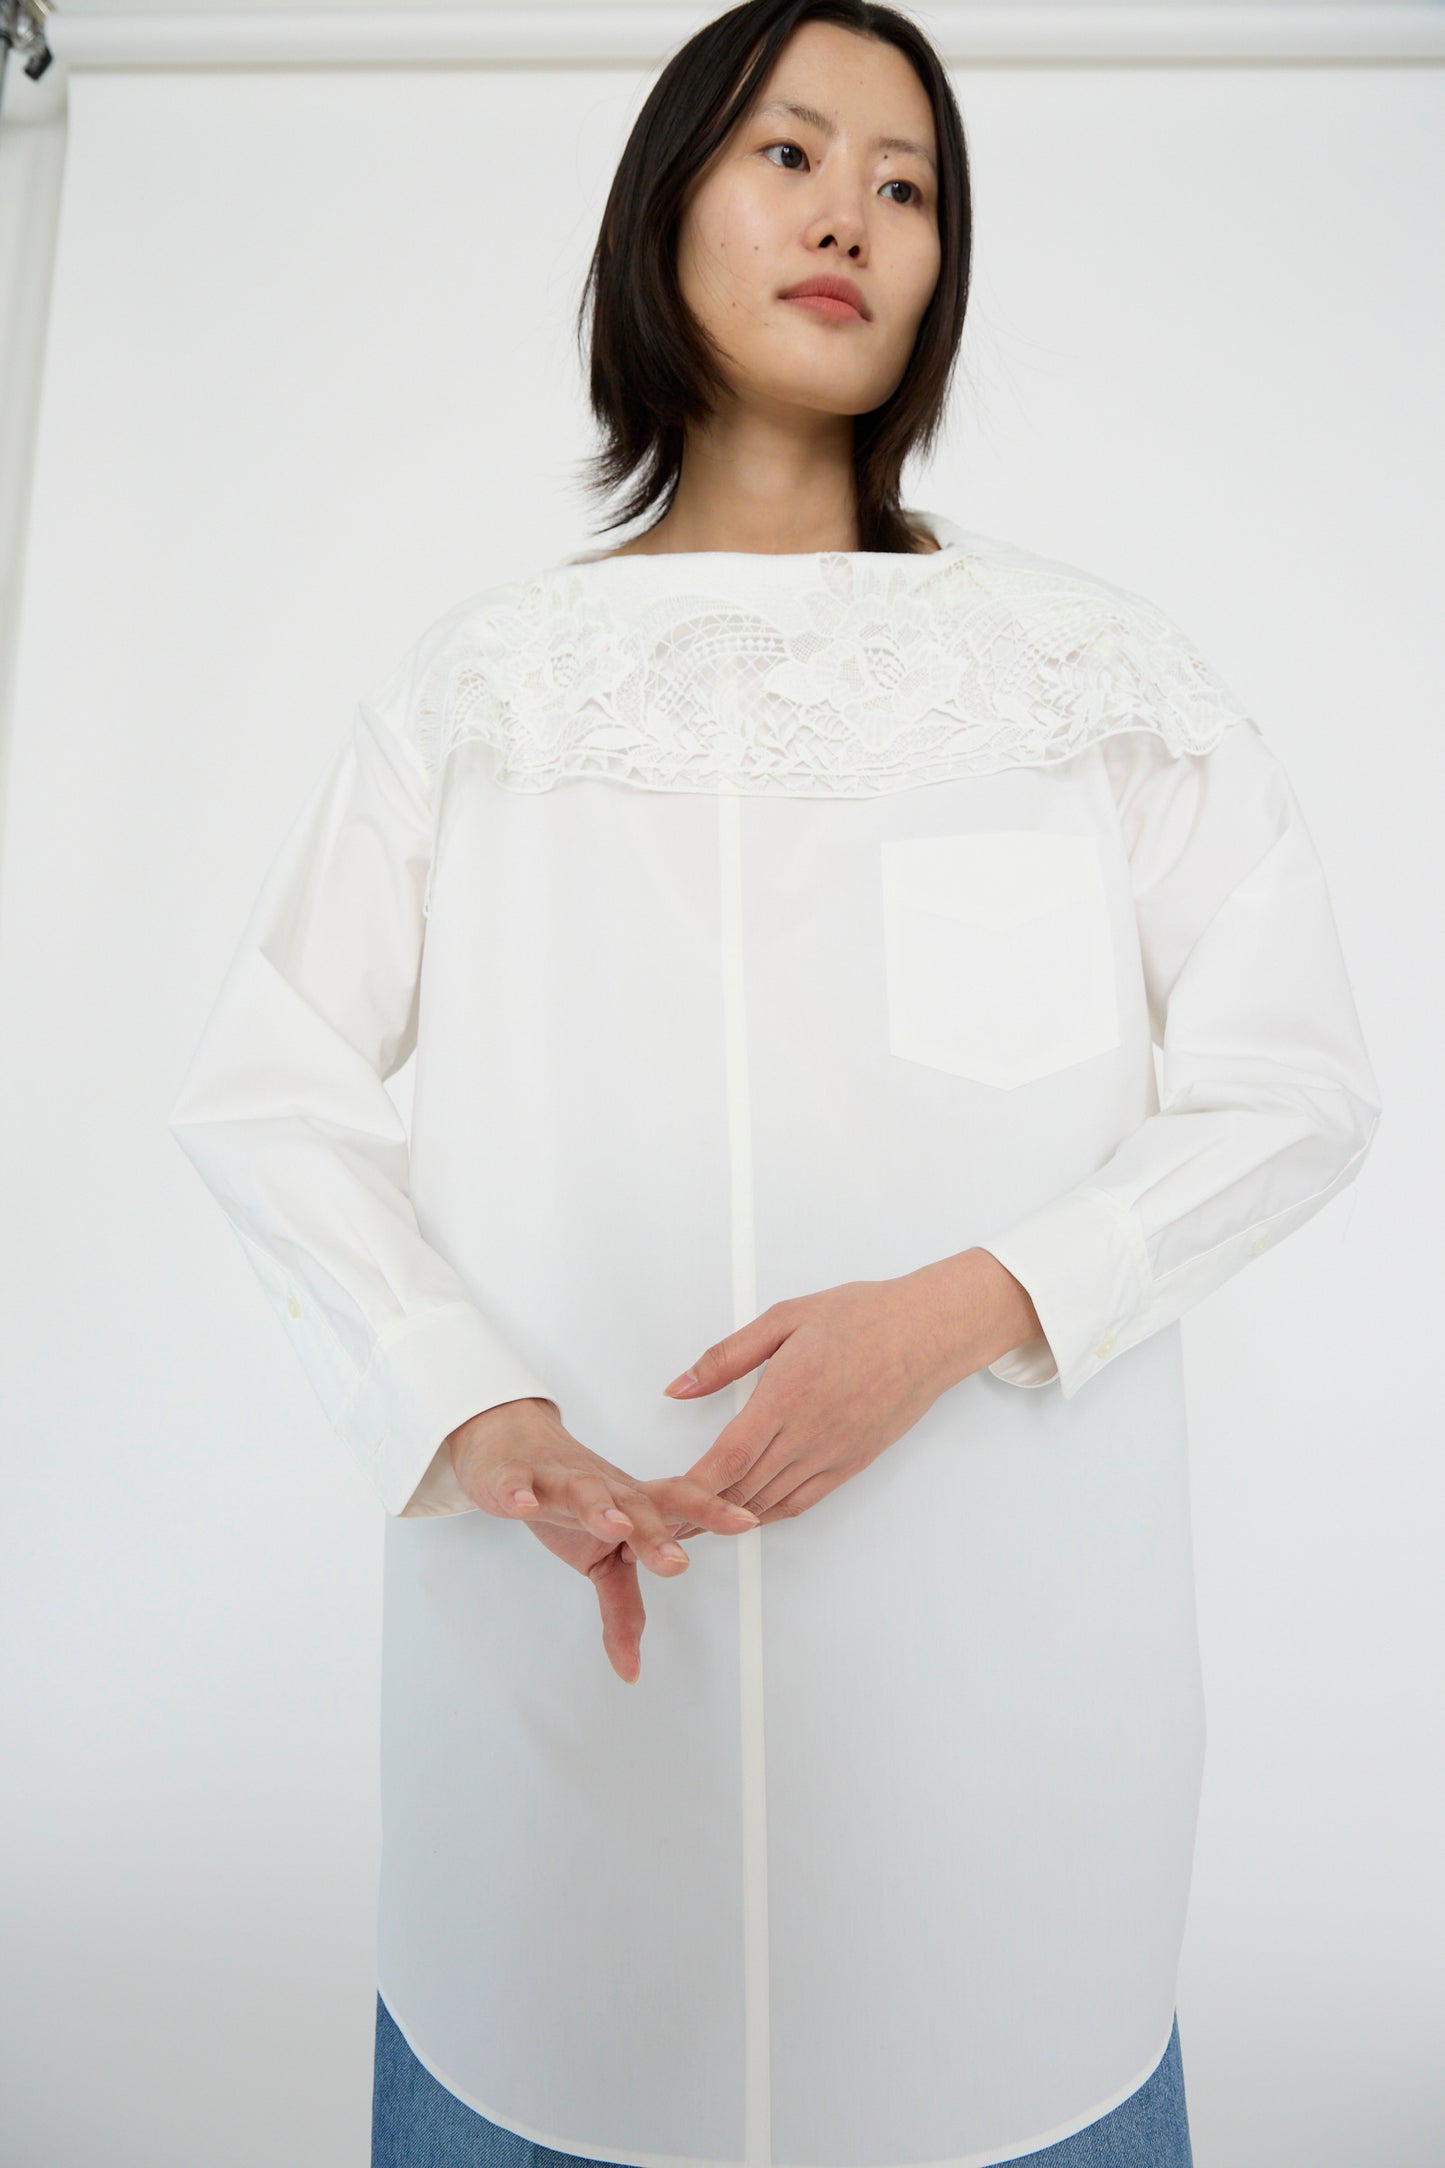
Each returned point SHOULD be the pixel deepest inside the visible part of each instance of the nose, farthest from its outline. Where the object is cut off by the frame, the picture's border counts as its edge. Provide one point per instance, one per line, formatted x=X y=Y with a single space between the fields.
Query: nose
x=843 y=225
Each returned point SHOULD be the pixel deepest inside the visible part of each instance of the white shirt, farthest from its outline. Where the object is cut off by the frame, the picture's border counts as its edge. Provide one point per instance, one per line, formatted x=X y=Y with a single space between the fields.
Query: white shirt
x=760 y=923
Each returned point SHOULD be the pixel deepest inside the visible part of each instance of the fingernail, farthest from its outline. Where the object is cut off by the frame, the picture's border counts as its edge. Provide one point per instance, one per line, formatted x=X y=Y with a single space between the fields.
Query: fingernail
x=672 y=1550
x=746 y=1512
x=684 y=1384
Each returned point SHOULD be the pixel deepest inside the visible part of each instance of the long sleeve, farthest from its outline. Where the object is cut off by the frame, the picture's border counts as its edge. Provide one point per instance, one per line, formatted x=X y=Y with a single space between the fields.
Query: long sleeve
x=1268 y=1103
x=284 y=1114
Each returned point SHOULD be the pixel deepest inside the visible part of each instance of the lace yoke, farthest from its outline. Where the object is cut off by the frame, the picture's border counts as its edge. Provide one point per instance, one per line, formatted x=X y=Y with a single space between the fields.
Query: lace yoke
x=828 y=675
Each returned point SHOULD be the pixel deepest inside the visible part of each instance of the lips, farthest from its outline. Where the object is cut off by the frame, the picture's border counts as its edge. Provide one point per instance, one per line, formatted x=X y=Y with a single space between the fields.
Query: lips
x=827 y=288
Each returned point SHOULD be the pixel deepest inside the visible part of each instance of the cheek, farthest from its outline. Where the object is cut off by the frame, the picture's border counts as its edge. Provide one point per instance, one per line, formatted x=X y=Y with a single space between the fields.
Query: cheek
x=925 y=271
x=704 y=253
x=731 y=240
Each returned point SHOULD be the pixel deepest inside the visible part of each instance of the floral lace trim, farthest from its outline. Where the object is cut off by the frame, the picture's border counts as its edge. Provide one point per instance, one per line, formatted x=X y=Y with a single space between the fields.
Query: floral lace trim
x=876 y=675
x=865 y=681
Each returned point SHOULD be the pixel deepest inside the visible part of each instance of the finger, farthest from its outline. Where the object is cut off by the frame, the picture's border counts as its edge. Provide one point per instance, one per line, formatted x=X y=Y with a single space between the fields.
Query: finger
x=628 y=1556
x=733 y=1356
x=798 y=1501
x=735 y=1464
x=774 y=1478
x=739 y=1528
x=651 y=1535
x=596 y=1504
x=528 y=1490
x=623 y=1616
x=510 y=1484
x=682 y=1498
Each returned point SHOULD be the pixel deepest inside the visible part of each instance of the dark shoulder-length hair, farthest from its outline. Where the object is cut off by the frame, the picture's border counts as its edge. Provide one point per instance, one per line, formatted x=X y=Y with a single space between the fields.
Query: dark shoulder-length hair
x=652 y=368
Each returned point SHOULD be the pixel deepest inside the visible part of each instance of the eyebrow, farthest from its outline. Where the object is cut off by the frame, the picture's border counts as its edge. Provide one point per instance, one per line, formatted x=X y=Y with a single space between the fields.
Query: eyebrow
x=814 y=119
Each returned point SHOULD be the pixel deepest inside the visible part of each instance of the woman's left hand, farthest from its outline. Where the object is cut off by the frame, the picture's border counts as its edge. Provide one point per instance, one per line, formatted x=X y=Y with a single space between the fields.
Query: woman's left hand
x=848 y=1372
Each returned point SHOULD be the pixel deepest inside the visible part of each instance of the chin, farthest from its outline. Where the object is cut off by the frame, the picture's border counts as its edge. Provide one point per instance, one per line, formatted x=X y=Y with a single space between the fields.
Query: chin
x=804 y=381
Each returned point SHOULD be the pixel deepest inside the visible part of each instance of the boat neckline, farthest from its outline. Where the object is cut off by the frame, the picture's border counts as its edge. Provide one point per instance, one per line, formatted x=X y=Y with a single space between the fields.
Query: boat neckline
x=949 y=536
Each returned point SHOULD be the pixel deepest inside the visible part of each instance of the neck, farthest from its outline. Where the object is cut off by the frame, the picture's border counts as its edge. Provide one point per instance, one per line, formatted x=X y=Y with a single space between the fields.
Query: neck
x=755 y=483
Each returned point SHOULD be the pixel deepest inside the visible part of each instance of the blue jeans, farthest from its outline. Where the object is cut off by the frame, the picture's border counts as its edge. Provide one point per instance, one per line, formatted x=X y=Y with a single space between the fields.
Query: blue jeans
x=417 y=2123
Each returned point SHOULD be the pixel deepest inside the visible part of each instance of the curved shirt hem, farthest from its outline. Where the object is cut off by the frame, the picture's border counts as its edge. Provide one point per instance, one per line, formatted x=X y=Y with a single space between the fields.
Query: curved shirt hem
x=985 y=2159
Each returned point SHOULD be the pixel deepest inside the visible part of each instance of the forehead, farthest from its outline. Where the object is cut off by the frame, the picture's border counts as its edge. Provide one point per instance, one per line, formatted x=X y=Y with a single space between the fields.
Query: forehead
x=859 y=84
x=839 y=83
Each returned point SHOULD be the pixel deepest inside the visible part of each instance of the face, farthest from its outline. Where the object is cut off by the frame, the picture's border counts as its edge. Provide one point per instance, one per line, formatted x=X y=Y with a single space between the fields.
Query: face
x=836 y=191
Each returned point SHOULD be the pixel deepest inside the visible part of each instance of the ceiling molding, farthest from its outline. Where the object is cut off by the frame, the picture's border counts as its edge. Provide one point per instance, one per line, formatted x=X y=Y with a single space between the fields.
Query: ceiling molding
x=598 y=33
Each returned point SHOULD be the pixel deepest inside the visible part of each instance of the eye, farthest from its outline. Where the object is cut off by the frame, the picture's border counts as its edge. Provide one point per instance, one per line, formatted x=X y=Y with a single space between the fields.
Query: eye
x=783 y=145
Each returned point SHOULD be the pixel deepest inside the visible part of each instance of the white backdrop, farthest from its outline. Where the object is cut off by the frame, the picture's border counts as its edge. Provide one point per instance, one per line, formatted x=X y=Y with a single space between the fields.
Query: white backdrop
x=308 y=380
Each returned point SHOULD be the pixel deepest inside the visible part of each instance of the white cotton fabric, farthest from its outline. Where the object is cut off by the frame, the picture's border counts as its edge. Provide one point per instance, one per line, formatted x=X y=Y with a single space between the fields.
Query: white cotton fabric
x=761 y=923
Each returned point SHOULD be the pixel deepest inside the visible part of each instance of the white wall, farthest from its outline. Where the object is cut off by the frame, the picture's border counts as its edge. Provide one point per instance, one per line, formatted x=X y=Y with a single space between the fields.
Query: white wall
x=308 y=379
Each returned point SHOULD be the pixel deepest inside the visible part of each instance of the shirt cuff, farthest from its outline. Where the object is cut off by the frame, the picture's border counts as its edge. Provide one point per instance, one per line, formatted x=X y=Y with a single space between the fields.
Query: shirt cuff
x=429 y=1374
x=438 y=1491
x=1084 y=1264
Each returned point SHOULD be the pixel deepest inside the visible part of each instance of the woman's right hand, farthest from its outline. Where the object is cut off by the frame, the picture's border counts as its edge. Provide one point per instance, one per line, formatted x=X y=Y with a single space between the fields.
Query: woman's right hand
x=518 y=1462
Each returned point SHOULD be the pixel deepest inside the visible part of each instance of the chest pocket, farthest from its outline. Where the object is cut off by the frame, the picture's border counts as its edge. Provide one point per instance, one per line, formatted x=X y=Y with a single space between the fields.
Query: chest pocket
x=999 y=953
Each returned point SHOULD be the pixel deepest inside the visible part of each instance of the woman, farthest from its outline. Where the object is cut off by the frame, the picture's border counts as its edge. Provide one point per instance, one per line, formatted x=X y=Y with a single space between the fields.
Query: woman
x=783 y=908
